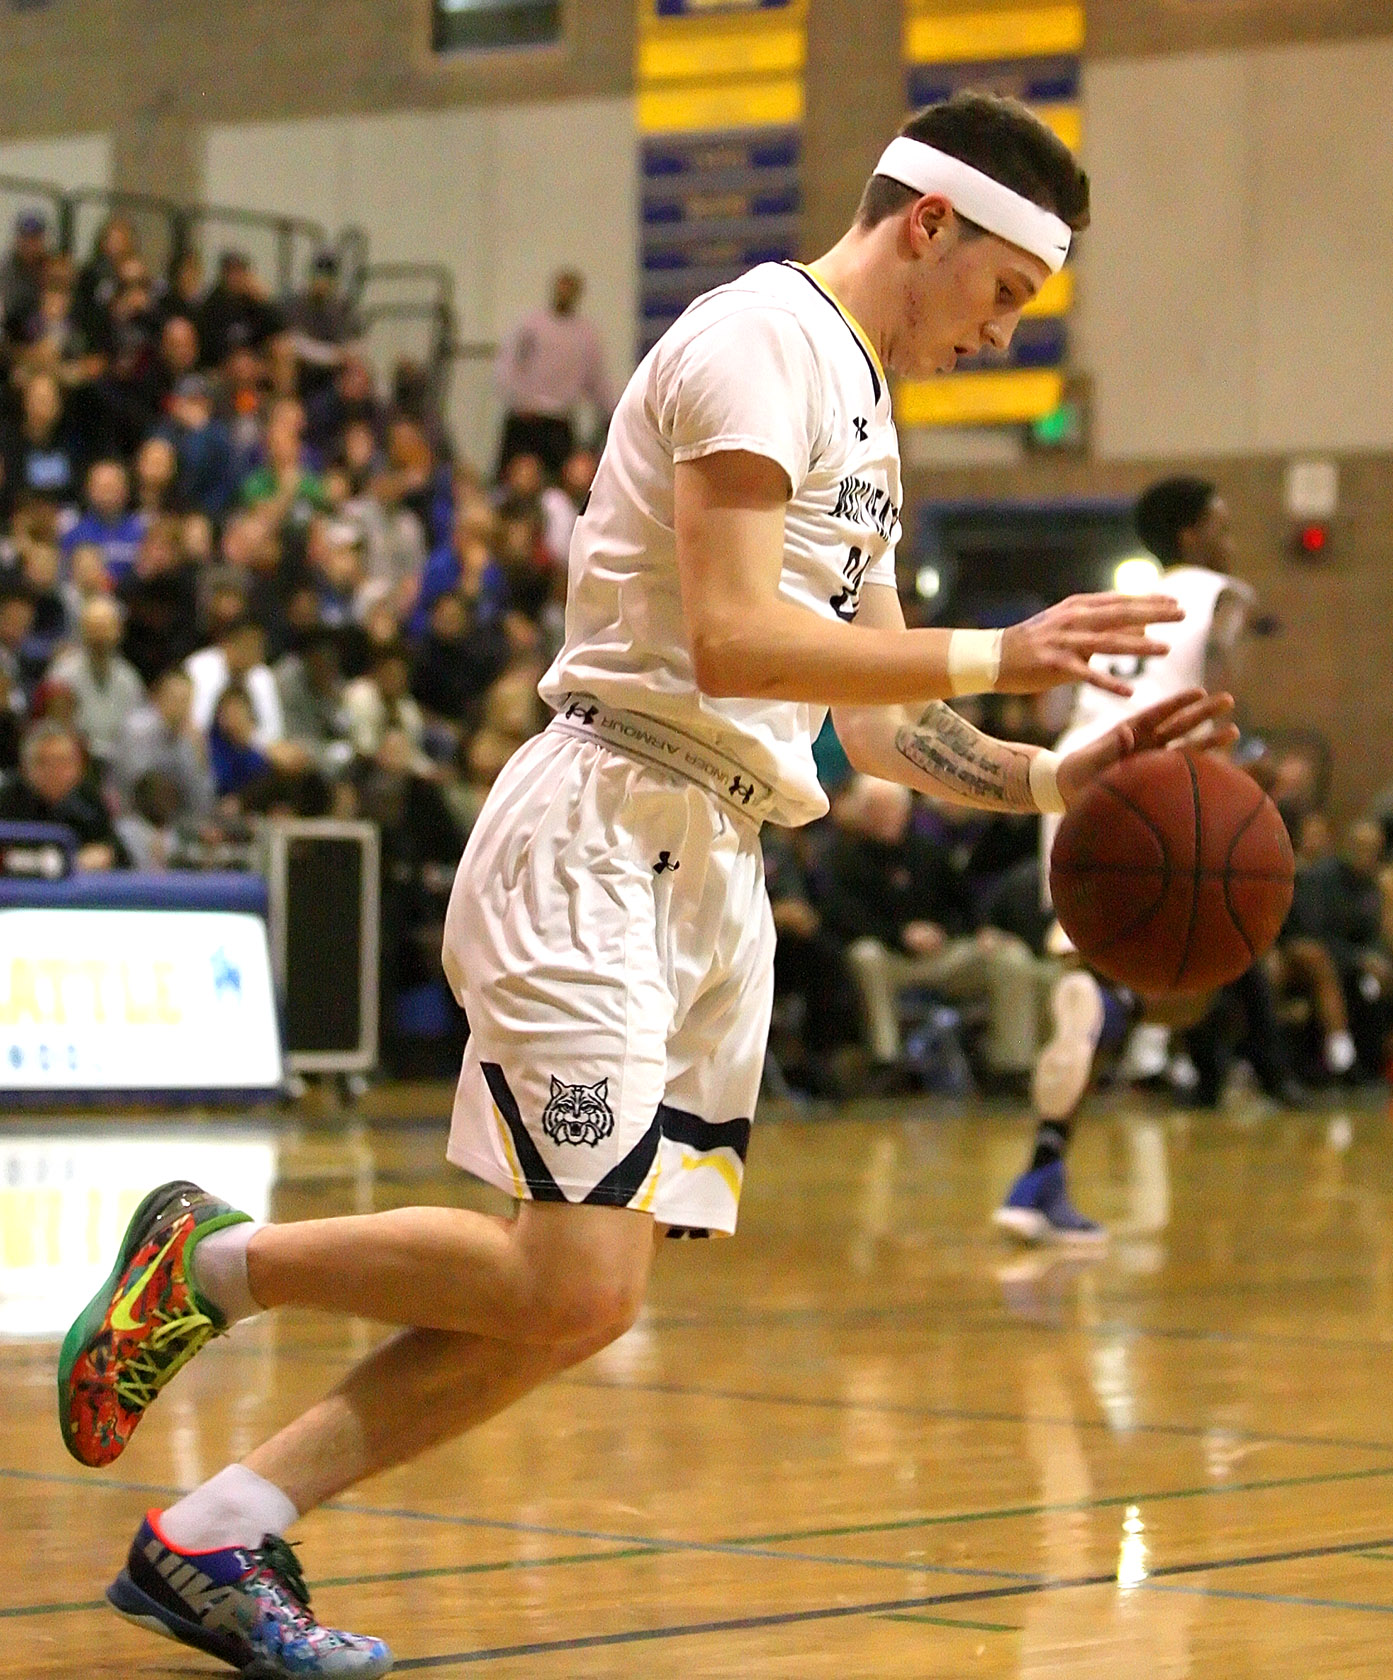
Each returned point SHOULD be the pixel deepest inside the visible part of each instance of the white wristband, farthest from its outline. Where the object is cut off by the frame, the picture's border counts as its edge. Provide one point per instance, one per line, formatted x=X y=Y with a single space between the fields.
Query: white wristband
x=974 y=660
x=1044 y=781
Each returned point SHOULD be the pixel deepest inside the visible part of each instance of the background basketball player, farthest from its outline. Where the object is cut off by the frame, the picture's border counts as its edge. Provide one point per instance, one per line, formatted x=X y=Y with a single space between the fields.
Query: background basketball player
x=1185 y=523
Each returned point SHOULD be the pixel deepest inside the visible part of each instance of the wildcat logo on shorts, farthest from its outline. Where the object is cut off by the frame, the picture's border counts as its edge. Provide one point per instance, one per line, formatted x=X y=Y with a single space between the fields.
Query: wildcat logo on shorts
x=578 y=1113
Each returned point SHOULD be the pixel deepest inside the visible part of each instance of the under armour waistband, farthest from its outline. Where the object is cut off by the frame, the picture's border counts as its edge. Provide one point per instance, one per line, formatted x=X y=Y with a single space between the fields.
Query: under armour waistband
x=660 y=744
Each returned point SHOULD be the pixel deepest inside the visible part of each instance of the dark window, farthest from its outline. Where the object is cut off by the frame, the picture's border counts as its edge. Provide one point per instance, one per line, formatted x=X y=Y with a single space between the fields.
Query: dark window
x=461 y=24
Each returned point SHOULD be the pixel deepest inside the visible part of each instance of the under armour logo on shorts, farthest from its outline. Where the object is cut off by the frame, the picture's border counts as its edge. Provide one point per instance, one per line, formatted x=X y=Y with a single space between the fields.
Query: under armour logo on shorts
x=743 y=791
x=578 y=1113
x=586 y=714
x=863 y=430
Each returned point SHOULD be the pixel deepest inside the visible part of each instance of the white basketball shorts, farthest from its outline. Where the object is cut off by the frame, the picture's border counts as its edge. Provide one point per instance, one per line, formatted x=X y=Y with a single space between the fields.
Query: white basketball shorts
x=610 y=940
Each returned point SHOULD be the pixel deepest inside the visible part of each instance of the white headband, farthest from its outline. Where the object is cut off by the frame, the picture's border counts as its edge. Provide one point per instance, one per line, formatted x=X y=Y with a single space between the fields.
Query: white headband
x=981 y=199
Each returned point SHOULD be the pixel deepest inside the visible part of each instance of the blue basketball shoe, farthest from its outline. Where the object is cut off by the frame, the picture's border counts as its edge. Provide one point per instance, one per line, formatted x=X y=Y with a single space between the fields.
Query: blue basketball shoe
x=1038 y=1210
x=249 y=1608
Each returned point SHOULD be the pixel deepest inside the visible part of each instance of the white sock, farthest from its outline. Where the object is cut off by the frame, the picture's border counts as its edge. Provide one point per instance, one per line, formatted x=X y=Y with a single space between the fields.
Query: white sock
x=219 y=1266
x=1339 y=1052
x=236 y=1508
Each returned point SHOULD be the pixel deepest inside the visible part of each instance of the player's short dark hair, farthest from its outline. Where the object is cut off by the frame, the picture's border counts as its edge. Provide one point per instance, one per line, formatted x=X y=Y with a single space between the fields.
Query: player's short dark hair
x=1167 y=508
x=1002 y=138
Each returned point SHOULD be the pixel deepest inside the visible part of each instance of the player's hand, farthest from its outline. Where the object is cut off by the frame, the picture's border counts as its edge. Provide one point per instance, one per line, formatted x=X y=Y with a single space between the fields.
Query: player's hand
x=1194 y=718
x=1056 y=645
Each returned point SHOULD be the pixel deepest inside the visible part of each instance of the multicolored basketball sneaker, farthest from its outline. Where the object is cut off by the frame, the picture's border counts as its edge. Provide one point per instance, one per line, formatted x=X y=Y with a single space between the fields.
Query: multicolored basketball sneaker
x=250 y=1608
x=143 y=1325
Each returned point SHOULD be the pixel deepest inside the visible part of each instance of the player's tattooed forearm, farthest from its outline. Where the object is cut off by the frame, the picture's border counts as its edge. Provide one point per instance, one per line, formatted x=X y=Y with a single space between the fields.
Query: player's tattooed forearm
x=965 y=761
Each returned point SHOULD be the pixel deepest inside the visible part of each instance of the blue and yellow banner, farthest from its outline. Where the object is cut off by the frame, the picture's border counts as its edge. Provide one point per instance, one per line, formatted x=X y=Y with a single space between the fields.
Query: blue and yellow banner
x=720 y=113
x=1031 y=52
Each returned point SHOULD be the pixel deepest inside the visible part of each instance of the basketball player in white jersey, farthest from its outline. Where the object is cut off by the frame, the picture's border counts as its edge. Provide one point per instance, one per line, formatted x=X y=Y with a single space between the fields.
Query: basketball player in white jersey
x=1185 y=524
x=609 y=935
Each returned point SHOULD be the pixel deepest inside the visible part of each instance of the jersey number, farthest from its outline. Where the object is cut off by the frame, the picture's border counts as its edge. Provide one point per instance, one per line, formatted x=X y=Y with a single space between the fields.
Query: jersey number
x=845 y=602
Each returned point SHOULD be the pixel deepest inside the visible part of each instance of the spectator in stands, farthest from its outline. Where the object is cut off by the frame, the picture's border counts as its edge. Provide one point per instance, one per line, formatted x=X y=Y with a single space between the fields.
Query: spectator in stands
x=322 y=324
x=1339 y=909
x=380 y=701
x=55 y=340
x=237 y=659
x=160 y=738
x=286 y=492
x=87 y=578
x=43 y=456
x=394 y=542
x=249 y=773
x=243 y=407
x=202 y=449
x=11 y=724
x=529 y=576
x=16 y=622
x=22 y=274
x=336 y=563
x=894 y=895
x=107 y=687
x=184 y=294
x=548 y=365
x=161 y=600
x=310 y=681
x=236 y=314
x=809 y=966
x=99 y=279
x=561 y=503
x=40 y=567
x=129 y=387
x=456 y=661
x=50 y=789
x=156 y=478
x=106 y=522
x=348 y=395
x=414 y=399
x=176 y=359
x=233 y=755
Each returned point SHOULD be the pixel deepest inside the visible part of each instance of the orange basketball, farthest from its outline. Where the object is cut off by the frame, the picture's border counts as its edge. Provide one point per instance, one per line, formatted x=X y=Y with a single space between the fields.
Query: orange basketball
x=1173 y=873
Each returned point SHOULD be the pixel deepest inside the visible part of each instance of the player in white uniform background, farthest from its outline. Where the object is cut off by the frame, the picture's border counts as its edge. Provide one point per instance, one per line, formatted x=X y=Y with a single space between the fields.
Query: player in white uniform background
x=1185 y=523
x=609 y=934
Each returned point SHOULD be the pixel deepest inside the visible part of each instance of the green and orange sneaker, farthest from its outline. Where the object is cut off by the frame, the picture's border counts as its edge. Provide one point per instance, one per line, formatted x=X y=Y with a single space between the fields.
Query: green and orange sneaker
x=143 y=1325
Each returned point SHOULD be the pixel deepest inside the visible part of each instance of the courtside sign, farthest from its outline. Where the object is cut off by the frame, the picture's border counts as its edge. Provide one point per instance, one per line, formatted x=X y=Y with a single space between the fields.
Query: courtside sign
x=136 y=1000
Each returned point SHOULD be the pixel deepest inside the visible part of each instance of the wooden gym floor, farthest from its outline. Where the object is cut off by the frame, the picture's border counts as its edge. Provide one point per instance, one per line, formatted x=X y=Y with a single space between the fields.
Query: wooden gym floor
x=862 y=1439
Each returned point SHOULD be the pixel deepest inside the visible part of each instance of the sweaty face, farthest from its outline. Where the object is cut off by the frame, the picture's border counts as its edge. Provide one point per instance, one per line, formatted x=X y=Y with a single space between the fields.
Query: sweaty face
x=964 y=293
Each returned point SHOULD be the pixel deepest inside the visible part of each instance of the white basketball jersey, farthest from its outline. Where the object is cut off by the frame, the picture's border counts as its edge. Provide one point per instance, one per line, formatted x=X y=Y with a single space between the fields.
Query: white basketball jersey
x=770 y=364
x=1182 y=666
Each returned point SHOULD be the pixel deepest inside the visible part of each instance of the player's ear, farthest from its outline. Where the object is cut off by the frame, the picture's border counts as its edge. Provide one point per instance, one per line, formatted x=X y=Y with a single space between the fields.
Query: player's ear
x=930 y=220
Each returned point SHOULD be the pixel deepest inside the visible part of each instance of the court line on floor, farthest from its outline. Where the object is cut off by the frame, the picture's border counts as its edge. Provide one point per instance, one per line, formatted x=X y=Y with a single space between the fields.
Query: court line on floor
x=882 y=1607
x=918 y=1311
x=54 y=1609
x=952 y=1414
x=1005 y=1513
x=762 y=1546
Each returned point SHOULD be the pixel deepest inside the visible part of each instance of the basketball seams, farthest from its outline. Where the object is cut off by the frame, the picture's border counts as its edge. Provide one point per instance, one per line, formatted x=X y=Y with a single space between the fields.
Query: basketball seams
x=1228 y=874
x=1143 y=817
x=1195 y=874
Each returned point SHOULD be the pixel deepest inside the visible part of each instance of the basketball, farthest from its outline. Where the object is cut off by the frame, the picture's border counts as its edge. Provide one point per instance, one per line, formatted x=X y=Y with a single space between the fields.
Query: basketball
x=1172 y=873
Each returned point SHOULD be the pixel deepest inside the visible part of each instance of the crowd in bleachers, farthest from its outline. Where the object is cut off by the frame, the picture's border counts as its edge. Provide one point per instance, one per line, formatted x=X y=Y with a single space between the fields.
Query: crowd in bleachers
x=238 y=577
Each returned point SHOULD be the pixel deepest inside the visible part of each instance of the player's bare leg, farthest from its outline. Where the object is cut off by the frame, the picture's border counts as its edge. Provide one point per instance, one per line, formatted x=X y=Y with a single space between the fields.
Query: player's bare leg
x=510 y=1303
x=1037 y=1208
